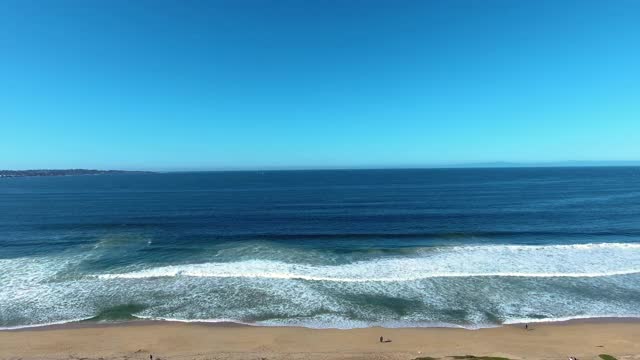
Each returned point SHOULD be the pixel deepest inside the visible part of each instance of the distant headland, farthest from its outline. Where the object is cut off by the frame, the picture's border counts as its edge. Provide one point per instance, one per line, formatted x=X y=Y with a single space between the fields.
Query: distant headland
x=64 y=172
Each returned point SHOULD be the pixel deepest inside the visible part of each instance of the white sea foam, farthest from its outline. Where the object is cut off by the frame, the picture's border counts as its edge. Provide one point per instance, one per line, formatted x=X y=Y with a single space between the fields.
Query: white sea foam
x=524 y=320
x=574 y=261
x=209 y=321
x=215 y=270
x=510 y=284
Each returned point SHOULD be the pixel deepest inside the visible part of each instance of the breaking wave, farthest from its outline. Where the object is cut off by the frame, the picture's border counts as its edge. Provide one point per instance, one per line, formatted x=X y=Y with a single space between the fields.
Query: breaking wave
x=573 y=261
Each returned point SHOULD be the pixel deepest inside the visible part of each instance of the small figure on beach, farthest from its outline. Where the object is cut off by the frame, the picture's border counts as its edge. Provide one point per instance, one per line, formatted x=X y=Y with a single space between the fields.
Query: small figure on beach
x=381 y=339
x=526 y=326
x=150 y=357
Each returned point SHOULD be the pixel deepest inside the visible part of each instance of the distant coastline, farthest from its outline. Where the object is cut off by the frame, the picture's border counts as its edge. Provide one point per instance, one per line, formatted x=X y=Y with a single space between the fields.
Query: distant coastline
x=64 y=172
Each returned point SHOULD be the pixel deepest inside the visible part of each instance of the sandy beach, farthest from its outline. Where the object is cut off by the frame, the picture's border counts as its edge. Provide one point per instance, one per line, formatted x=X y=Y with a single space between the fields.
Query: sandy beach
x=167 y=340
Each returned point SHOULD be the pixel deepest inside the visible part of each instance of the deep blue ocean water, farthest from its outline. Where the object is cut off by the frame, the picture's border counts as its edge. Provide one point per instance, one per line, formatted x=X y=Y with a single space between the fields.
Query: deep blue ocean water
x=344 y=248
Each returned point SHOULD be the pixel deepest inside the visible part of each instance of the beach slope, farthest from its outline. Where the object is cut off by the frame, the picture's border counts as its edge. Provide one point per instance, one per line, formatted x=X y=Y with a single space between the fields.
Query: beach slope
x=165 y=340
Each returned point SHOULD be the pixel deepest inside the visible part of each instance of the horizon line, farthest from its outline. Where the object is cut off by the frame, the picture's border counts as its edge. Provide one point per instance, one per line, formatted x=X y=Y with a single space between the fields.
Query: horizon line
x=478 y=165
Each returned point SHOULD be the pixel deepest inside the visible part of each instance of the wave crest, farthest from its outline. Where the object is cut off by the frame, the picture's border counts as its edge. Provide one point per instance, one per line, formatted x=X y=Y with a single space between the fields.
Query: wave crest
x=580 y=260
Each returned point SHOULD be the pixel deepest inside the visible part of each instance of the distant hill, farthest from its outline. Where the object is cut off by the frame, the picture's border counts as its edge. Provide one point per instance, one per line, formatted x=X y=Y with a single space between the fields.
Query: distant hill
x=502 y=164
x=63 y=172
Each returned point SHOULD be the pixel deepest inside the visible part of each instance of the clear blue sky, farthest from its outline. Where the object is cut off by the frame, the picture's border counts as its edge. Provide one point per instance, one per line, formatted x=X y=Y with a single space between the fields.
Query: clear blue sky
x=278 y=84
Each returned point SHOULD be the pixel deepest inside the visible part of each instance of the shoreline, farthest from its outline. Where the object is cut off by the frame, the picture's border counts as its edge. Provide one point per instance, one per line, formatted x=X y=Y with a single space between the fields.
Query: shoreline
x=88 y=323
x=584 y=339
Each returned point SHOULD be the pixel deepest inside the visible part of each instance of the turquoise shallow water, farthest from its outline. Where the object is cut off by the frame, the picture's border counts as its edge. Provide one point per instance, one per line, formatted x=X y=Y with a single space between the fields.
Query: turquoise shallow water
x=459 y=247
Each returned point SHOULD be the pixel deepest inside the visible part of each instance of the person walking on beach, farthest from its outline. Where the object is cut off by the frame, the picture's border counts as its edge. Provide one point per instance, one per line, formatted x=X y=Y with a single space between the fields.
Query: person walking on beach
x=381 y=339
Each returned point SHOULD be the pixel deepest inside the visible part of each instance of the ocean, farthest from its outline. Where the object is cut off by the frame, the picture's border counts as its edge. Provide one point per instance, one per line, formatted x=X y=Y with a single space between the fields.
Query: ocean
x=333 y=248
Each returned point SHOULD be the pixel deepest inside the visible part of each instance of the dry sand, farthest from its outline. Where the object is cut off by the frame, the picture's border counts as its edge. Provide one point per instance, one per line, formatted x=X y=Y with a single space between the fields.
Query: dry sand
x=584 y=340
